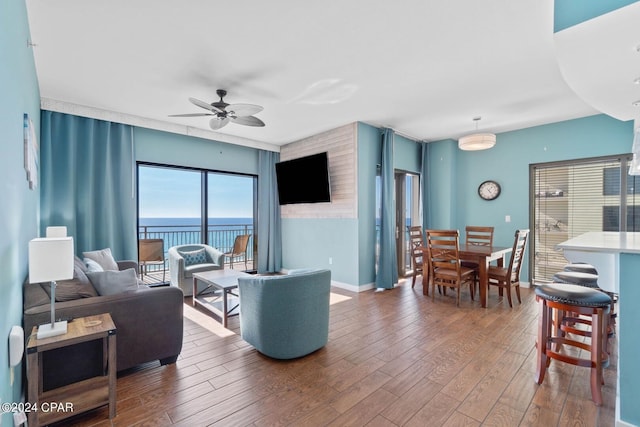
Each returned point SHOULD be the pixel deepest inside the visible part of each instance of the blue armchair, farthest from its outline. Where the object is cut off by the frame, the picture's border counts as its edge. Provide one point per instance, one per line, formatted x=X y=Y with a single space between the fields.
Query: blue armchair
x=184 y=260
x=286 y=316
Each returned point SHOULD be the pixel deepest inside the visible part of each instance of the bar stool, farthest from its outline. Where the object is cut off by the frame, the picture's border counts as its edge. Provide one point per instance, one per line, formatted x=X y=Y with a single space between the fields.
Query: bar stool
x=582 y=267
x=558 y=299
x=589 y=280
x=576 y=278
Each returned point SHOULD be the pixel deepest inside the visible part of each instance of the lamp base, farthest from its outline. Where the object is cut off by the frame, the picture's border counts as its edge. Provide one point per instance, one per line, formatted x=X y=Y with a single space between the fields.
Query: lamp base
x=51 y=330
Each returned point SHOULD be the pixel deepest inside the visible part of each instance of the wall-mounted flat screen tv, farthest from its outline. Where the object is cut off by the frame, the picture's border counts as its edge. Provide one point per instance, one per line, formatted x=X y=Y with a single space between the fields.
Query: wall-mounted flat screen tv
x=304 y=180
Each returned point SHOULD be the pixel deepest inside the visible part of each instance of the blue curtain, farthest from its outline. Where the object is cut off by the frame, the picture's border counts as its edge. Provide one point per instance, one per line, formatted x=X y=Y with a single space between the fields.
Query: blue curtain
x=425 y=194
x=387 y=274
x=269 y=226
x=87 y=176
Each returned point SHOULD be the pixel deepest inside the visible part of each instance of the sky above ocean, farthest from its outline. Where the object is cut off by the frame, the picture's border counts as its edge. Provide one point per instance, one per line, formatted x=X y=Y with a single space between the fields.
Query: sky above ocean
x=175 y=193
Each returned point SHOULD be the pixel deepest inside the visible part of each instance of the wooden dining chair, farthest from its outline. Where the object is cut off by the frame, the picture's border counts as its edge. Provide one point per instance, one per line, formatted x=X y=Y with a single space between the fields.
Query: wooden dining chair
x=417 y=242
x=476 y=235
x=509 y=277
x=479 y=236
x=444 y=263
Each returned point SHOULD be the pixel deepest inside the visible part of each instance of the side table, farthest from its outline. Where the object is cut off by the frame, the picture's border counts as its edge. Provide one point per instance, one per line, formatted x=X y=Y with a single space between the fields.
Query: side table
x=63 y=402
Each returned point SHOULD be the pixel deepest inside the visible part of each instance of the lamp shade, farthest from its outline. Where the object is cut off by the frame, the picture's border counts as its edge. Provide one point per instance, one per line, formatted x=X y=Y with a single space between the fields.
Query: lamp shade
x=56 y=231
x=477 y=141
x=50 y=259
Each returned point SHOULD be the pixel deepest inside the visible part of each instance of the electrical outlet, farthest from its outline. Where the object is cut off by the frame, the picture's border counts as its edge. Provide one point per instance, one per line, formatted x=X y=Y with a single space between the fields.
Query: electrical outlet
x=330 y=260
x=507 y=218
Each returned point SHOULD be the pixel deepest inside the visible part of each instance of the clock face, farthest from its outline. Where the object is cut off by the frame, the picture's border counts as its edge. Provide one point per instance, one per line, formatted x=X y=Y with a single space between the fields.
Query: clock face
x=489 y=190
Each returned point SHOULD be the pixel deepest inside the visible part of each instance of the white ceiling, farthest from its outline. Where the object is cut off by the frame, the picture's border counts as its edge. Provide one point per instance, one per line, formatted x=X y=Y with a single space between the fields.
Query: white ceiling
x=423 y=68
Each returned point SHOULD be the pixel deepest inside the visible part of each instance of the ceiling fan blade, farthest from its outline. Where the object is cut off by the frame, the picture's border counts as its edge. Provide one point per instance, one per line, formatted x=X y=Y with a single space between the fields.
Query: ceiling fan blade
x=248 y=121
x=205 y=105
x=218 y=123
x=191 y=115
x=241 y=110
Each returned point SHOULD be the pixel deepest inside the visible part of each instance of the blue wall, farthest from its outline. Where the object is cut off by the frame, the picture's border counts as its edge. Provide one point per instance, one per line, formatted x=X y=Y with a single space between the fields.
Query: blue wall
x=18 y=216
x=568 y=13
x=169 y=148
x=310 y=242
x=456 y=174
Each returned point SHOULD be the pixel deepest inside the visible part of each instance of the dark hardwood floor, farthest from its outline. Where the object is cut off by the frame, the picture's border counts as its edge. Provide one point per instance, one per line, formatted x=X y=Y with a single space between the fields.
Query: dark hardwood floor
x=394 y=358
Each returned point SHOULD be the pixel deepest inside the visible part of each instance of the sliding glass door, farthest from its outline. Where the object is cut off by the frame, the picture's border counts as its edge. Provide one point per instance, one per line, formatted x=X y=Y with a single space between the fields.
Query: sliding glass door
x=186 y=206
x=407 y=215
x=170 y=205
x=231 y=204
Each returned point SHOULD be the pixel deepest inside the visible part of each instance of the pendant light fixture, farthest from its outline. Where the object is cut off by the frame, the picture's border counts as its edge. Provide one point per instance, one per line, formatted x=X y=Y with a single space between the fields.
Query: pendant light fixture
x=477 y=141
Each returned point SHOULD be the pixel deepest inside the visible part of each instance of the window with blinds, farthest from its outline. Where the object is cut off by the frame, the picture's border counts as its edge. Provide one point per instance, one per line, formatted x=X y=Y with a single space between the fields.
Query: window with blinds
x=574 y=197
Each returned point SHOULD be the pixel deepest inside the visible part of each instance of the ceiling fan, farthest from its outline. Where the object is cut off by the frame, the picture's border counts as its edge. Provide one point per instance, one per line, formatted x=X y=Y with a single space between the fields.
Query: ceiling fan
x=223 y=113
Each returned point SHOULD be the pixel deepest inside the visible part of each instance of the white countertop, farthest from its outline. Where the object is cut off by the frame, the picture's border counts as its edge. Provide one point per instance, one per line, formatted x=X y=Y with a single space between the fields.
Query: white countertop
x=604 y=241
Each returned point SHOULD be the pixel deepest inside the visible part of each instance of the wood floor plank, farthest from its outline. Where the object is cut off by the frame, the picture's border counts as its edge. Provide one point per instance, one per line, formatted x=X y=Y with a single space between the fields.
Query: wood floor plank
x=394 y=358
x=416 y=398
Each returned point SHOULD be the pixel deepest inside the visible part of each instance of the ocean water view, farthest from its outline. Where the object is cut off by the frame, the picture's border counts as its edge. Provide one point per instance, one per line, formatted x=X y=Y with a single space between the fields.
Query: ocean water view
x=221 y=232
x=218 y=222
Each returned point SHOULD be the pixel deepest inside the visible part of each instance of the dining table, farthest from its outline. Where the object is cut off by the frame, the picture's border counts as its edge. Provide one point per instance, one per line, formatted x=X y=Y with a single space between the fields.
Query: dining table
x=481 y=254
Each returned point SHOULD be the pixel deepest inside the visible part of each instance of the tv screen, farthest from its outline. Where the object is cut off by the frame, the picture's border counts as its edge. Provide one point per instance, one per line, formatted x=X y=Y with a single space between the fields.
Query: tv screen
x=304 y=180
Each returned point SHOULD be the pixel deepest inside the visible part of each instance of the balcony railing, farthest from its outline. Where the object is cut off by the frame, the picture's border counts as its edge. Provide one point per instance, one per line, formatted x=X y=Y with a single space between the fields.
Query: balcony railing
x=220 y=236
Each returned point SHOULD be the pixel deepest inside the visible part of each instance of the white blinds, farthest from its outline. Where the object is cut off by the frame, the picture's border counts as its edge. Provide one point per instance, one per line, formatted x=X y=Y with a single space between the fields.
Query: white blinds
x=572 y=198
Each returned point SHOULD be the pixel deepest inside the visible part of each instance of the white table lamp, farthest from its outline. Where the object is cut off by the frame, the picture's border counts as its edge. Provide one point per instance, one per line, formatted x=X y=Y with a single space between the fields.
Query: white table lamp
x=51 y=259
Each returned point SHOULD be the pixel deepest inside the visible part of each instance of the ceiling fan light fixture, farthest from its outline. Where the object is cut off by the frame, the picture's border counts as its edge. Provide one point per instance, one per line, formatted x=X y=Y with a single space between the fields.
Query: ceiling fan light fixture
x=477 y=141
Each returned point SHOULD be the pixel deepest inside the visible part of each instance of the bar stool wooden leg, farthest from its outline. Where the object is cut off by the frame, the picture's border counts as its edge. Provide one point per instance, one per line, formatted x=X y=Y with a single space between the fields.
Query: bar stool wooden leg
x=596 y=357
x=544 y=329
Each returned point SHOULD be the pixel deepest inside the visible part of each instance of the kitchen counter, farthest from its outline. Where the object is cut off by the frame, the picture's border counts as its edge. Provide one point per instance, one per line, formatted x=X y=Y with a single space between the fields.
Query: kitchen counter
x=604 y=241
x=616 y=256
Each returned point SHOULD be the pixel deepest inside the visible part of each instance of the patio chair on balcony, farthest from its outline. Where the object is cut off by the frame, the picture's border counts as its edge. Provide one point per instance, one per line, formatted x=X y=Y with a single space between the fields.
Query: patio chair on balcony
x=151 y=252
x=239 y=249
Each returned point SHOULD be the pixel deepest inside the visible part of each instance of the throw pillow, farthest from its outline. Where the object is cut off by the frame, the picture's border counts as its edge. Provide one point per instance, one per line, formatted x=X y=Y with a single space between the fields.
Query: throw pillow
x=78 y=264
x=72 y=289
x=92 y=266
x=103 y=257
x=111 y=282
x=76 y=288
x=194 y=257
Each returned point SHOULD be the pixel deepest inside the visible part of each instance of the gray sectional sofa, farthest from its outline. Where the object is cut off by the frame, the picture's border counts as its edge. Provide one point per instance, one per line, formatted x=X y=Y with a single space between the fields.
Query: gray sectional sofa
x=149 y=324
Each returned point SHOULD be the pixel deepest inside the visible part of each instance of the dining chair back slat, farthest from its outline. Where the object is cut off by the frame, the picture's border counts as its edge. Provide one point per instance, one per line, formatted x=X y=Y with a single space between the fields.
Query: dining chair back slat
x=444 y=263
x=476 y=235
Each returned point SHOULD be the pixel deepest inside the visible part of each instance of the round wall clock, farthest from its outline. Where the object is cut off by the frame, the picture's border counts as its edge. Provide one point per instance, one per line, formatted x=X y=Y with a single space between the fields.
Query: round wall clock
x=489 y=190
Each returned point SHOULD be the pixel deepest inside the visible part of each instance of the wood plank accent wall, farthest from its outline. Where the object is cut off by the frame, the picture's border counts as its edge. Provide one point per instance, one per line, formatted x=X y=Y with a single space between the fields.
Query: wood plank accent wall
x=341 y=146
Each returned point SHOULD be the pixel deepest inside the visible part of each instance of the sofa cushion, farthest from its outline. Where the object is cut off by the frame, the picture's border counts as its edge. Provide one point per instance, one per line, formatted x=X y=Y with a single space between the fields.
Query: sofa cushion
x=194 y=257
x=111 y=282
x=103 y=257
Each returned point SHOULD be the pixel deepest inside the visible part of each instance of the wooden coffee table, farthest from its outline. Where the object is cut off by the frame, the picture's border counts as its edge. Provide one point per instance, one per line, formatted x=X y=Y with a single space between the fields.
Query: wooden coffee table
x=218 y=295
